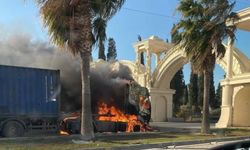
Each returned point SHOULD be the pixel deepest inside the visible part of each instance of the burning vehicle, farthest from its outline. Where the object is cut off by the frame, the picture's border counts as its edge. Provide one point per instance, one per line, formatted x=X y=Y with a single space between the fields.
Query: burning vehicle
x=118 y=103
x=133 y=117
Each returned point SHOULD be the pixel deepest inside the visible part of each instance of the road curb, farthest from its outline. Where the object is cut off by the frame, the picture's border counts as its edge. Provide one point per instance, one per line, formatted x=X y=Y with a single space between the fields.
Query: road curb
x=75 y=136
x=166 y=144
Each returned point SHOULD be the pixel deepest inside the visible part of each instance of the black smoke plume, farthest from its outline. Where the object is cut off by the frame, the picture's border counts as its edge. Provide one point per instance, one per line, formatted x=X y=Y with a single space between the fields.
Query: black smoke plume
x=108 y=85
x=21 y=50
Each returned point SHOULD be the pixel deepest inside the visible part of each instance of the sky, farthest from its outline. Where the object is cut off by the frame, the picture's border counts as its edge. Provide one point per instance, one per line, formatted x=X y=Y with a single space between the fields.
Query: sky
x=137 y=17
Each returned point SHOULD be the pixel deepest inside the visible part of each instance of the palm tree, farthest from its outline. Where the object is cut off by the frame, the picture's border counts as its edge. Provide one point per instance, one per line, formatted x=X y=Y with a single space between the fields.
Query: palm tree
x=70 y=27
x=202 y=30
x=99 y=30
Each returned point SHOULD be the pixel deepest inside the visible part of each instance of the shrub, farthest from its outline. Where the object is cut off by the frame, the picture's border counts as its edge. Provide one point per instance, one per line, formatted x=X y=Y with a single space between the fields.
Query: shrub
x=185 y=111
x=216 y=112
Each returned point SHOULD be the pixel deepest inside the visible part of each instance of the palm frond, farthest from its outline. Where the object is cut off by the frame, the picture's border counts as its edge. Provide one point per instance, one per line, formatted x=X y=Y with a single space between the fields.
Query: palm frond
x=65 y=20
x=99 y=29
x=111 y=8
x=55 y=15
x=106 y=8
x=202 y=29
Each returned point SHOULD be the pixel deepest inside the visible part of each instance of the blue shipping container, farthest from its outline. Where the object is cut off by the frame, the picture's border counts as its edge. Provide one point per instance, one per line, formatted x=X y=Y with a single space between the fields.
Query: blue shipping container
x=29 y=92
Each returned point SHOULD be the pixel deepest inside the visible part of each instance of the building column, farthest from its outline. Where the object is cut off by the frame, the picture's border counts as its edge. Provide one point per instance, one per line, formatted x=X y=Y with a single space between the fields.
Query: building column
x=155 y=96
x=157 y=58
x=227 y=92
x=226 y=108
x=148 y=66
x=229 y=58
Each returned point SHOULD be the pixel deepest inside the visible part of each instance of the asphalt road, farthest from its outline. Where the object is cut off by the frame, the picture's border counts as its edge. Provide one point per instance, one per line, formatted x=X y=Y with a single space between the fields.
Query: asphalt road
x=178 y=126
x=185 y=127
x=194 y=146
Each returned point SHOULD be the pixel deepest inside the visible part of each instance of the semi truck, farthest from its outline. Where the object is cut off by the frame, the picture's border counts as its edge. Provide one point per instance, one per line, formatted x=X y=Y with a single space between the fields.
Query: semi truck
x=29 y=100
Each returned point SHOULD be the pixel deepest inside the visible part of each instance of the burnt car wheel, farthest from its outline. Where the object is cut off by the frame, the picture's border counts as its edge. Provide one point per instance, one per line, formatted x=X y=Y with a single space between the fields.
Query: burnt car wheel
x=13 y=129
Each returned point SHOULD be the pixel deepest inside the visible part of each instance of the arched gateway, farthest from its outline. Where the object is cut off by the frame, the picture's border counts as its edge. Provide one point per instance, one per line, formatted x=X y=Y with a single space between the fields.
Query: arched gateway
x=174 y=58
x=235 y=87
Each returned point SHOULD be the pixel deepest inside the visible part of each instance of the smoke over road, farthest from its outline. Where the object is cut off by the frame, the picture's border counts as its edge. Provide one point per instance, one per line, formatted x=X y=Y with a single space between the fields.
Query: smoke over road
x=21 y=50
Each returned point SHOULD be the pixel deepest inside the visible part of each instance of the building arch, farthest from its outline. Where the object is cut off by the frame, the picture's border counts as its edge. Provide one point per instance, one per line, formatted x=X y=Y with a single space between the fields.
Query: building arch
x=131 y=65
x=241 y=111
x=175 y=58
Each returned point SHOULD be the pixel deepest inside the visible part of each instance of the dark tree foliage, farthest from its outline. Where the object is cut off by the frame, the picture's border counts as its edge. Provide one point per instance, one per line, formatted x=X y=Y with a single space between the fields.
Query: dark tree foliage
x=142 y=54
x=218 y=97
x=201 y=90
x=185 y=98
x=193 y=91
x=213 y=103
x=178 y=84
x=111 y=49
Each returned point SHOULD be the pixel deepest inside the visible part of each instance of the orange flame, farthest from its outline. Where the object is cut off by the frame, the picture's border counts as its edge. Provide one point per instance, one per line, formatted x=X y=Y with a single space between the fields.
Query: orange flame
x=64 y=133
x=116 y=115
x=64 y=120
x=143 y=103
x=73 y=117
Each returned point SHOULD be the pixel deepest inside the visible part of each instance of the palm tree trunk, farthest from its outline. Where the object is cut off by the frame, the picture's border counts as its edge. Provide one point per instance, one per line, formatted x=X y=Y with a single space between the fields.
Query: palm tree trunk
x=205 y=128
x=85 y=45
x=101 y=53
x=86 y=122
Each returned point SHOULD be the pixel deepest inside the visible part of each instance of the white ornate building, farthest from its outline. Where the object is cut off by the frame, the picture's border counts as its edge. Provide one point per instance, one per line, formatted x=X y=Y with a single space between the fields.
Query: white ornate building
x=236 y=86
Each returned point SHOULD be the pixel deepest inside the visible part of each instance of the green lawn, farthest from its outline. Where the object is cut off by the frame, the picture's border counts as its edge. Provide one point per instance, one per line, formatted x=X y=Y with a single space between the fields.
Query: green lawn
x=65 y=142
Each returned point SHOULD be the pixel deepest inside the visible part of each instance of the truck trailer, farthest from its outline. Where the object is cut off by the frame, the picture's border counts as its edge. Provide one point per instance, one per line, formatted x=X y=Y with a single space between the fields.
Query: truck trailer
x=29 y=100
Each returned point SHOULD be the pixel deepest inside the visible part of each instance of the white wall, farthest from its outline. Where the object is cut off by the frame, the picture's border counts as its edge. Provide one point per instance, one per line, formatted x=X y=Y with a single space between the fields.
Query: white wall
x=241 y=109
x=161 y=109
